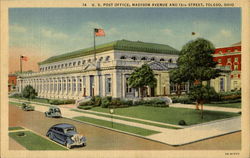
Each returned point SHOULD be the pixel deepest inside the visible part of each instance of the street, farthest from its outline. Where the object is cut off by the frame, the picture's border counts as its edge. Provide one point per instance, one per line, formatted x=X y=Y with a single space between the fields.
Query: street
x=104 y=139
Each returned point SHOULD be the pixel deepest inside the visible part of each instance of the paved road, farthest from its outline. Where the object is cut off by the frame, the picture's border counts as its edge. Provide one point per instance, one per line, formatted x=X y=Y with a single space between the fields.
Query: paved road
x=103 y=139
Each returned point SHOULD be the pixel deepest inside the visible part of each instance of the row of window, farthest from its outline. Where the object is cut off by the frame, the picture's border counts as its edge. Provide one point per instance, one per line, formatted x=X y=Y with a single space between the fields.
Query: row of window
x=229 y=60
x=71 y=64
x=145 y=58
x=228 y=51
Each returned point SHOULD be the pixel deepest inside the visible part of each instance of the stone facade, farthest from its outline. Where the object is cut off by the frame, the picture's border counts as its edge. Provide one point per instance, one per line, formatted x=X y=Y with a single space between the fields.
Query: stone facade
x=68 y=77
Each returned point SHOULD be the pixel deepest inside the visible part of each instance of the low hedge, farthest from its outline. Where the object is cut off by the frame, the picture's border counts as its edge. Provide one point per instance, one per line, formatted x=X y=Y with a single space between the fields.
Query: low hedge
x=60 y=102
x=85 y=107
x=182 y=99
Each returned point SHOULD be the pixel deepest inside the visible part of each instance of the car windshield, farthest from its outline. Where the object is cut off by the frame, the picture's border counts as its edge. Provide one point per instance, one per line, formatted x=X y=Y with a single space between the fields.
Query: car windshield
x=69 y=130
x=57 y=110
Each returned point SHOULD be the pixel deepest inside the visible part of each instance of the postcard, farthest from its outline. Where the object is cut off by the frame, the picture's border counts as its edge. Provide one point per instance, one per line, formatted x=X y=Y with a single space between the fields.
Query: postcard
x=125 y=79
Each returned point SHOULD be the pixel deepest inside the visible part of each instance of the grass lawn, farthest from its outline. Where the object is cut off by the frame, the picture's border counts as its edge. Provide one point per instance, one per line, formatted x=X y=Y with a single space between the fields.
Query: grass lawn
x=228 y=105
x=39 y=100
x=118 y=126
x=127 y=119
x=32 y=141
x=169 y=115
x=15 y=103
x=15 y=128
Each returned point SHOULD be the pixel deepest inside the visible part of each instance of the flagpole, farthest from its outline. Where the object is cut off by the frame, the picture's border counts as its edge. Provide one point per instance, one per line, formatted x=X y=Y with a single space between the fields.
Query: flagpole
x=21 y=64
x=94 y=47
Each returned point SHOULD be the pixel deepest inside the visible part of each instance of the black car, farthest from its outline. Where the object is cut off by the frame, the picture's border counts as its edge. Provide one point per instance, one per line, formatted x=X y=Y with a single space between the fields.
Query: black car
x=66 y=134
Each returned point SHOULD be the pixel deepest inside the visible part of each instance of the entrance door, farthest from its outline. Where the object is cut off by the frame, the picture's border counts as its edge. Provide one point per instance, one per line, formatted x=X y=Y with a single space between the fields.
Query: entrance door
x=92 y=85
x=152 y=91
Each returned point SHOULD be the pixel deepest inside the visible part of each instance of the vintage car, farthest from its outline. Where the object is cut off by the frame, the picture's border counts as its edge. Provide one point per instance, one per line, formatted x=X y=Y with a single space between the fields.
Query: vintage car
x=27 y=107
x=66 y=134
x=53 y=112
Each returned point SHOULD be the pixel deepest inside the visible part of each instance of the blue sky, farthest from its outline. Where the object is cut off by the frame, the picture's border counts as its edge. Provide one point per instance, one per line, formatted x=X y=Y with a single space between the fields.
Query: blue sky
x=53 y=31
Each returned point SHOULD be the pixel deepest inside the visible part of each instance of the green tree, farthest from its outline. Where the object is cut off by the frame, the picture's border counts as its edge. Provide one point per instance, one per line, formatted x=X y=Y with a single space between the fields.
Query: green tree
x=29 y=92
x=195 y=65
x=202 y=93
x=142 y=77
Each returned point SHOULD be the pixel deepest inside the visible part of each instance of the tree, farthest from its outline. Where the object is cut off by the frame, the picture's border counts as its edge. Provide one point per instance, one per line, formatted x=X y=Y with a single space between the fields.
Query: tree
x=195 y=65
x=29 y=92
x=202 y=93
x=142 y=77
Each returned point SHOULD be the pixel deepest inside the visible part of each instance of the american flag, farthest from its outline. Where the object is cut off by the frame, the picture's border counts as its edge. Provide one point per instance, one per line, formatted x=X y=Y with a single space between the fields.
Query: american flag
x=99 y=32
x=24 y=58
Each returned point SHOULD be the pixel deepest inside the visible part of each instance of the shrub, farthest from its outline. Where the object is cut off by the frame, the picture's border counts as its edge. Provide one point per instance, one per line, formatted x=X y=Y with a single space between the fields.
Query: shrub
x=106 y=102
x=69 y=101
x=153 y=102
x=97 y=100
x=183 y=100
x=84 y=107
x=87 y=103
x=59 y=102
x=16 y=95
x=56 y=102
x=127 y=102
x=182 y=123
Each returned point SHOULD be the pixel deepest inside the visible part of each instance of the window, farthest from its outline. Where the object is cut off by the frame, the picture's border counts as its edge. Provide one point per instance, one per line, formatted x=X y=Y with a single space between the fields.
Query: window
x=101 y=58
x=228 y=51
x=236 y=50
x=236 y=67
x=236 y=59
x=107 y=58
x=134 y=58
x=162 y=59
x=70 y=64
x=143 y=58
x=74 y=85
x=220 y=52
x=122 y=57
x=79 y=62
x=219 y=60
x=152 y=59
x=228 y=59
x=222 y=84
x=64 y=85
x=128 y=88
x=80 y=85
x=62 y=65
x=83 y=61
x=170 y=60
x=69 y=85
x=89 y=60
x=74 y=63
x=59 y=86
x=55 y=86
x=108 y=85
x=66 y=65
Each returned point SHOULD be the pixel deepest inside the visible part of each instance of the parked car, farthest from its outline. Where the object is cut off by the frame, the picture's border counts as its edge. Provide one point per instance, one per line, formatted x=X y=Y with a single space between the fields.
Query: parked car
x=67 y=135
x=27 y=107
x=53 y=112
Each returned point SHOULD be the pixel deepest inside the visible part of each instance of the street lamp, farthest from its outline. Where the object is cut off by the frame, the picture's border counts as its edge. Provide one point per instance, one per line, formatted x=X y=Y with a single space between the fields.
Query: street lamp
x=111 y=111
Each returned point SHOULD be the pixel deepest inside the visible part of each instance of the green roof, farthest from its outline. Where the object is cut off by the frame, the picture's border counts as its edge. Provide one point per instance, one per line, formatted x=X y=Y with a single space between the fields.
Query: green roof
x=125 y=45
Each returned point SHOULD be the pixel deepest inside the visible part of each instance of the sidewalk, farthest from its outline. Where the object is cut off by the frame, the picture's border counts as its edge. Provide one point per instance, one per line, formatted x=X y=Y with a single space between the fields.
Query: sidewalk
x=212 y=108
x=167 y=136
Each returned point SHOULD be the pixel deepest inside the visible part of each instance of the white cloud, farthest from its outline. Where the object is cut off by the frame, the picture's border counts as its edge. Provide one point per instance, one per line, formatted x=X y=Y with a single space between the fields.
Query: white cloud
x=53 y=34
x=93 y=25
x=167 y=31
x=17 y=28
x=226 y=33
x=112 y=31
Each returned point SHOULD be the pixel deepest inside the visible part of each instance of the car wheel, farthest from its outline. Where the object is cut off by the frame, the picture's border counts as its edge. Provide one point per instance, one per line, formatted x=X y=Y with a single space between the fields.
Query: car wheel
x=84 y=144
x=51 y=136
x=68 y=145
